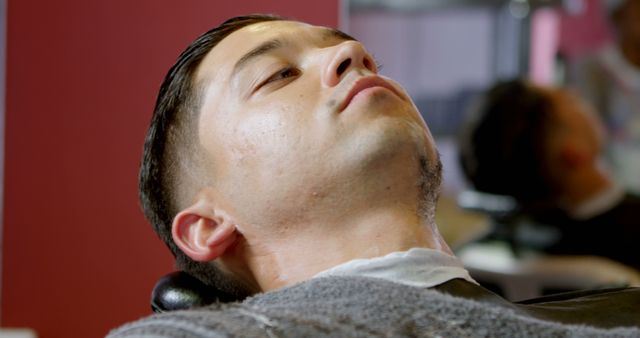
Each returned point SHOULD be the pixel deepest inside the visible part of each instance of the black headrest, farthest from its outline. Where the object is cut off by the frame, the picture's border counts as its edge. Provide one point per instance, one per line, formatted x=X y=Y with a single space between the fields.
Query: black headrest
x=179 y=290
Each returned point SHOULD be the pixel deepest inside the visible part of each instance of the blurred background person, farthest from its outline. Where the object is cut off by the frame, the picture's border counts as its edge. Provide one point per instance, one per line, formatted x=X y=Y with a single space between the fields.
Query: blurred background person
x=447 y=55
x=543 y=146
x=610 y=79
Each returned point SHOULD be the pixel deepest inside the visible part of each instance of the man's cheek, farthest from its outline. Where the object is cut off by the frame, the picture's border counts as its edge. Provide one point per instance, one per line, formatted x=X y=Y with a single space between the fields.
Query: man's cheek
x=267 y=136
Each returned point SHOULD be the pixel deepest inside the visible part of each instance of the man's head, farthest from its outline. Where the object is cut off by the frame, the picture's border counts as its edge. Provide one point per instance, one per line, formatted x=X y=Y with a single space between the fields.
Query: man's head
x=626 y=20
x=170 y=149
x=526 y=139
x=286 y=125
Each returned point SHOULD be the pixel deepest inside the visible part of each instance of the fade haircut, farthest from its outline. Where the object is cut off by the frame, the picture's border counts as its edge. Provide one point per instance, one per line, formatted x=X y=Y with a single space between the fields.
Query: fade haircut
x=169 y=170
x=503 y=150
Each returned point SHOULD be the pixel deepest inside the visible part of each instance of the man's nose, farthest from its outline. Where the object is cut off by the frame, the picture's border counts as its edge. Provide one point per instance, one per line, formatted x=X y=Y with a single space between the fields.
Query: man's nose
x=347 y=56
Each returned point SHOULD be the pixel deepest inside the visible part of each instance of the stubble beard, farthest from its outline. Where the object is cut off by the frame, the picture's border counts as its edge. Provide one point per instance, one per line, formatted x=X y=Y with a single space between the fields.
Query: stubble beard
x=429 y=185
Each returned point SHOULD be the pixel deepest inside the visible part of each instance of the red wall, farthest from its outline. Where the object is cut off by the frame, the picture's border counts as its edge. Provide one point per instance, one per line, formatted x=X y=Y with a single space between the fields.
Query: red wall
x=585 y=32
x=78 y=257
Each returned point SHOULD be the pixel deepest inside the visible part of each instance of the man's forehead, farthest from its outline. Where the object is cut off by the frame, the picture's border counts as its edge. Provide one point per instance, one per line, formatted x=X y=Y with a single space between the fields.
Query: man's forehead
x=272 y=27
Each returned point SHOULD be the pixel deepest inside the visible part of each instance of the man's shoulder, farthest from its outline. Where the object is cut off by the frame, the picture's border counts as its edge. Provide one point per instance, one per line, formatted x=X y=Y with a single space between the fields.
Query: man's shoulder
x=597 y=295
x=631 y=200
x=354 y=307
x=622 y=214
x=209 y=321
x=586 y=307
x=603 y=308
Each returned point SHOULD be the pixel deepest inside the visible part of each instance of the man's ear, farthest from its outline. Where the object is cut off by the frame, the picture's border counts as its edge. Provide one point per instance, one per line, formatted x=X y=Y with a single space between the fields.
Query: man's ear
x=202 y=233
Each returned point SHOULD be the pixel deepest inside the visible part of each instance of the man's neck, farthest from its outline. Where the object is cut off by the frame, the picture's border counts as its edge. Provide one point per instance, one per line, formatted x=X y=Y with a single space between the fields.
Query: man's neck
x=369 y=210
x=298 y=257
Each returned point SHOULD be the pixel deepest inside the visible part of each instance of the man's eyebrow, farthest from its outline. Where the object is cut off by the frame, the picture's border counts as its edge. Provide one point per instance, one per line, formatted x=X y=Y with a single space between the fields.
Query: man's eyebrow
x=335 y=33
x=262 y=49
x=273 y=44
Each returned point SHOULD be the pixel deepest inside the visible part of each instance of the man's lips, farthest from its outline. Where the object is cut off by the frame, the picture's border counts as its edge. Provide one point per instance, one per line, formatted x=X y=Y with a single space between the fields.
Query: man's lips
x=365 y=83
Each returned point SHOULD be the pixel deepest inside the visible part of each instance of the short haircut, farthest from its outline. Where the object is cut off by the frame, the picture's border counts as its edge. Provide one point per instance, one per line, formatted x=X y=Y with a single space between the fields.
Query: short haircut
x=503 y=149
x=171 y=145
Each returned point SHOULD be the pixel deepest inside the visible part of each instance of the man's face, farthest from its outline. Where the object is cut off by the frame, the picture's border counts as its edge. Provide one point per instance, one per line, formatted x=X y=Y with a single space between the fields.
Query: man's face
x=293 y=113
x=578 y=120
x=577 y=132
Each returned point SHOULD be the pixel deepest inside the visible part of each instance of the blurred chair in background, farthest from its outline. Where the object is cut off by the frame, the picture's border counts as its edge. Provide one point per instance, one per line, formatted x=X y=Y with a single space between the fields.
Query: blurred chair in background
x=539 y=149
x=509 y=259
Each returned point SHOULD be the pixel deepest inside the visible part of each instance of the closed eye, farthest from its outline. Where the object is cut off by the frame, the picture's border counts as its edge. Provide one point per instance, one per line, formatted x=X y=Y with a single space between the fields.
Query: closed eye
x=282 y=74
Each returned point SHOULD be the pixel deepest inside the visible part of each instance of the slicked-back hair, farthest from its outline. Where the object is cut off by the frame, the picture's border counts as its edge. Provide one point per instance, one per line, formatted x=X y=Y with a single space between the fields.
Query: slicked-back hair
x=503 y=150
x=169 y=143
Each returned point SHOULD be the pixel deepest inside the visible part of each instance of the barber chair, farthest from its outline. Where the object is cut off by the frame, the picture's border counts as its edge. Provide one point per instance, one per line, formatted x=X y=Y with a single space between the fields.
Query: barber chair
x=510 y=260
x=179 y=290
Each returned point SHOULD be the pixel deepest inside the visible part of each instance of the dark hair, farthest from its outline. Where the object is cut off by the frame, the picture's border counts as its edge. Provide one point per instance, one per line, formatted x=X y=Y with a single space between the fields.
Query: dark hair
x=617 y=12
x=168 y=144
x=503 y=149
